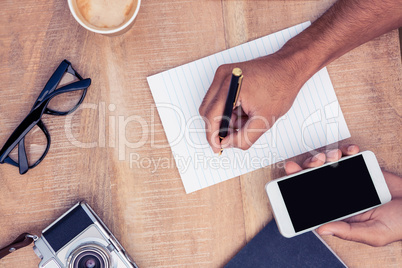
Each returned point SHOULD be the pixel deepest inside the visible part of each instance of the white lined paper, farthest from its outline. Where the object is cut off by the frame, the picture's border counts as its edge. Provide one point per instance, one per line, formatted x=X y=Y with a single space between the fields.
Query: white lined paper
x=314 y=120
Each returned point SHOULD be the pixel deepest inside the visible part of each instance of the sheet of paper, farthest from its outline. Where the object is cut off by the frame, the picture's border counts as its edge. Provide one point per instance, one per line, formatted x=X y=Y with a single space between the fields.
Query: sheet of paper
x=315 y=119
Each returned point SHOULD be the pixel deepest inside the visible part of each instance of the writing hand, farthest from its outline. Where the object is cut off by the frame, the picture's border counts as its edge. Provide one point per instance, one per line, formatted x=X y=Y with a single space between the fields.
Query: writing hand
x=270 y=85
x=377 y=227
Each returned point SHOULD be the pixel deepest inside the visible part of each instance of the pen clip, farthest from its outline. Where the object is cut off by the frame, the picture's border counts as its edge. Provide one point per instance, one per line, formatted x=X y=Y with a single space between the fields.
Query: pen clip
x=238 y=90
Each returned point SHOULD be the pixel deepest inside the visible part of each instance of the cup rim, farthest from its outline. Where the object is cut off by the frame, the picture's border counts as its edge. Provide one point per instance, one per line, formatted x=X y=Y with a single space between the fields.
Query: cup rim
x=110 y=31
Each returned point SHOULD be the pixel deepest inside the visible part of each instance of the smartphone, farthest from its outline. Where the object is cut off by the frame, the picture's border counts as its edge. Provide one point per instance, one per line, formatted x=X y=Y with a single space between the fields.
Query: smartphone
x=334 y=191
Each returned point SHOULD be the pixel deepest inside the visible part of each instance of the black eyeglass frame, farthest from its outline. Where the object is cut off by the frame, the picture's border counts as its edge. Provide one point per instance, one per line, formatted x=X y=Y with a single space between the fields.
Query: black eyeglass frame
x=35 y=116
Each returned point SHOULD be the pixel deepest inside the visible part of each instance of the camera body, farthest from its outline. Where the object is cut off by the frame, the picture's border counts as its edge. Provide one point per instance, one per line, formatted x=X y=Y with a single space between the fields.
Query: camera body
x=79 y=239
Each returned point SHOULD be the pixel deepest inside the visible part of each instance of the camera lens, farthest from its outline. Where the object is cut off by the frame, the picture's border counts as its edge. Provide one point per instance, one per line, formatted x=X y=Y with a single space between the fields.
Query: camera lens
x=90 y=262
x=89 y=256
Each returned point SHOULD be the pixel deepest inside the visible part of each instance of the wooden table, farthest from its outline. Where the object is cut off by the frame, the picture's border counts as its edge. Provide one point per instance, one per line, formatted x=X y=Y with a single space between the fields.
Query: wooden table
x=148 y=210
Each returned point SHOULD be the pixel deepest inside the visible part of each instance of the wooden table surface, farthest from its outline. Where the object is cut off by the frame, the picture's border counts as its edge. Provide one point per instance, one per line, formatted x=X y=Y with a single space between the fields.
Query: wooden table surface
x=148 y=210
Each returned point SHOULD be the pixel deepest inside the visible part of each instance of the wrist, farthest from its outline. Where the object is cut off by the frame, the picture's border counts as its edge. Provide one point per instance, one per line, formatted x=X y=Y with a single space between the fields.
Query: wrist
x=299 y=61
x=304 y=56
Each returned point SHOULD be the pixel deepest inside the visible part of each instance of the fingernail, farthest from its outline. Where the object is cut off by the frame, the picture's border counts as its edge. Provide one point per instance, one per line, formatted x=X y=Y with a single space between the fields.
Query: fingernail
x=314 y=159
x=326 y=233
x=351 y=148
x=216 y=151
x=333 y=154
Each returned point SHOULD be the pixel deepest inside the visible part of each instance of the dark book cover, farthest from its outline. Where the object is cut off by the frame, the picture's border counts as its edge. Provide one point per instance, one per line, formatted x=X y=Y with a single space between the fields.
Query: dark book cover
x=270 y=249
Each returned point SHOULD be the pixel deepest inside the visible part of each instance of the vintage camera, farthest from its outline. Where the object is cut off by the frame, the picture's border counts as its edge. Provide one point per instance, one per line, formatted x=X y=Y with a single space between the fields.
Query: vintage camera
x=79 y=239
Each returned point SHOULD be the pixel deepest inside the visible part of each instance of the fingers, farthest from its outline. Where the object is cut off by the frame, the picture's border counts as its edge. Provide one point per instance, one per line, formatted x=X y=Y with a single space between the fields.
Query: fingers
x=394 y=184
x=220 y=75
x=212 y=131
x=212 y=108
x=322 y=158
x=239 y=118
x=345 y=150
x=349 y=149
x=247 y=135
x=369 y=232
x=212 y=134
x=333 y=155
x=291 y=168
x=315 y=161
x=330 y=156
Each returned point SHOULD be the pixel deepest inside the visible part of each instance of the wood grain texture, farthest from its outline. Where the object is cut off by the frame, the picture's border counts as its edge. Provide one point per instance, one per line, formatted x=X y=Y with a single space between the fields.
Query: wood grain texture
x=147 y=208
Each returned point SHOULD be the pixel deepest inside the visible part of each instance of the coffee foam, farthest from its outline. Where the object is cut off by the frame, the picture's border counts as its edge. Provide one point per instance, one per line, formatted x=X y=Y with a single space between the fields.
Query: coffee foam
x=106 y=13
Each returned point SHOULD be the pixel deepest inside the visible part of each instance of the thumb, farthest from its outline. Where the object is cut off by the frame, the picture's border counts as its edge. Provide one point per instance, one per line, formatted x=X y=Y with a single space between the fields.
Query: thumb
x=363 y=232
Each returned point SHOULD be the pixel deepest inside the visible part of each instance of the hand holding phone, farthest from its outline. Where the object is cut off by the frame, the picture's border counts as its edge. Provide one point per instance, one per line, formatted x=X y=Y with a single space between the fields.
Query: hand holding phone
x=377 y=227
x=335 y=191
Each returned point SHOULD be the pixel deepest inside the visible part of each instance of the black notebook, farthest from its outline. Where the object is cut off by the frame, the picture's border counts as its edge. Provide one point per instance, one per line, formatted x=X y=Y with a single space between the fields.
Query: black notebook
x=270 y=249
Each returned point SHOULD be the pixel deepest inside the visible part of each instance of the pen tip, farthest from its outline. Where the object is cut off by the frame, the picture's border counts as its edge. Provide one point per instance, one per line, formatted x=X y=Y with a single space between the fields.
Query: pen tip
x=220 y=153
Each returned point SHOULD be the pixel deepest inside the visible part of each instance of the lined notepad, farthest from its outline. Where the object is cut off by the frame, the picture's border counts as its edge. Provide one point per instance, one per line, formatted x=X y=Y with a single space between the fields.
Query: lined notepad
x=315 y=119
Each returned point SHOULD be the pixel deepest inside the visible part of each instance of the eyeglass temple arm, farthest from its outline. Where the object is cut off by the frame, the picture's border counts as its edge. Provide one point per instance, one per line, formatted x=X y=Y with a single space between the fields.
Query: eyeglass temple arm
x=22 y=157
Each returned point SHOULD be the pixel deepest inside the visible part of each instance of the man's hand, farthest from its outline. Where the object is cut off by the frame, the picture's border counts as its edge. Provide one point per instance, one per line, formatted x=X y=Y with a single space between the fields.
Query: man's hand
x=377 y=227
x=270 y=85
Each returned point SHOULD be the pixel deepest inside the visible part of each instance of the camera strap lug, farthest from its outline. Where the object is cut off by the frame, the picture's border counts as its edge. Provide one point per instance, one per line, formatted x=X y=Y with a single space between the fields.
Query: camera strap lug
x=21 y=241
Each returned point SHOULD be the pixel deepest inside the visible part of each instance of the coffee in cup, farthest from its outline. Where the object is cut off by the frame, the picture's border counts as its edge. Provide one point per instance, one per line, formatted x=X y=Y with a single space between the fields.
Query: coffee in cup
x=110 y=17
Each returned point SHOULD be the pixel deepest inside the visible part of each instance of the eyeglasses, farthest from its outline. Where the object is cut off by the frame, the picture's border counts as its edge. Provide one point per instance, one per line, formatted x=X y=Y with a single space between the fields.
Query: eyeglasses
x=62 y=95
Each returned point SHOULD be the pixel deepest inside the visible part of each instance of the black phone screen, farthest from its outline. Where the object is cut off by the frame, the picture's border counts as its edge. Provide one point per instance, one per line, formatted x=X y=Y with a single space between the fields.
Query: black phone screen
x=328 y=193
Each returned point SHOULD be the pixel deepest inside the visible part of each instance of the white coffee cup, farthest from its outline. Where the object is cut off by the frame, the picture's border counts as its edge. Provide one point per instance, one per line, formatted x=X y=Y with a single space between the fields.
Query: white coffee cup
x=109 y=17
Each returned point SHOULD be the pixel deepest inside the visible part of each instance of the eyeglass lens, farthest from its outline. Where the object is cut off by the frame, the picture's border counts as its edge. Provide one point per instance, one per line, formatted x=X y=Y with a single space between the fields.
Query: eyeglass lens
x=67 y=101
